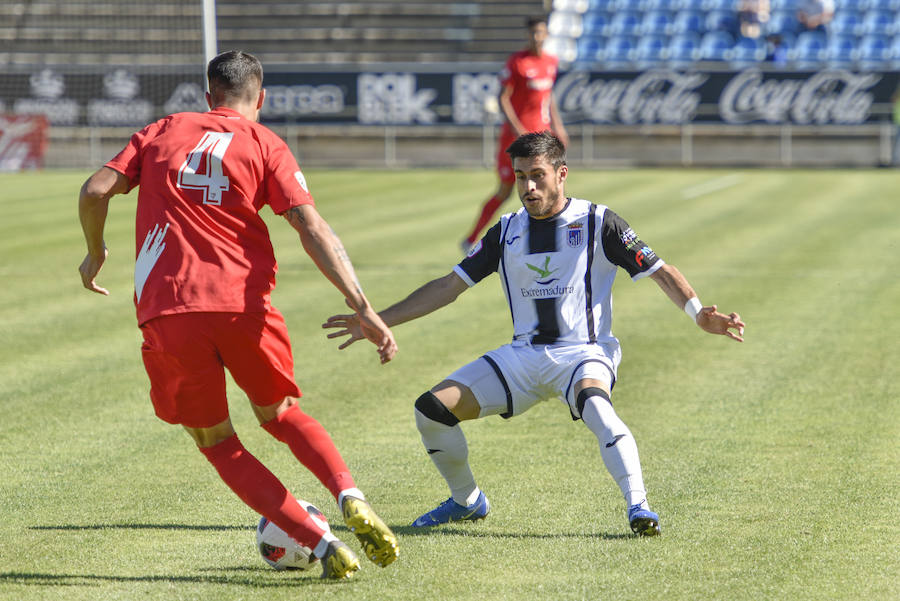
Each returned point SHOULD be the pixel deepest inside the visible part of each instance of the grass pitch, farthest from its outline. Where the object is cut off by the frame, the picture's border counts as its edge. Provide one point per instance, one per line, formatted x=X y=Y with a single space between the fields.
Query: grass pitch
x=773 y=464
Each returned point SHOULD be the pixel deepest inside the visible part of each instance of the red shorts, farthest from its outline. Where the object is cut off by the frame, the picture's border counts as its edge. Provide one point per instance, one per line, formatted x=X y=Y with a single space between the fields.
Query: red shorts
x=186 y=354
x=504 y=163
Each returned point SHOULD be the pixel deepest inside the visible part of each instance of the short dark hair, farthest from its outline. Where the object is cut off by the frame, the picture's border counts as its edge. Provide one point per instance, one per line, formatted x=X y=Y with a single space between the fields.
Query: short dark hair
x=538 y=144
x=234 y=75
x=534 y=20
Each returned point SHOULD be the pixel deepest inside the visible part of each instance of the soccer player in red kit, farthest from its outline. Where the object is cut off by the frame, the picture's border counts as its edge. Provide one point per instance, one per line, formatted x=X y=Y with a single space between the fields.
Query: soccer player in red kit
x=204 y=272
x=526 y=99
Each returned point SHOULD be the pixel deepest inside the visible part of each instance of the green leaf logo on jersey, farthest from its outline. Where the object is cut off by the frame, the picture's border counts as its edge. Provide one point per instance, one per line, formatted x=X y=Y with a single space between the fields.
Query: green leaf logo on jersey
x=543 y=272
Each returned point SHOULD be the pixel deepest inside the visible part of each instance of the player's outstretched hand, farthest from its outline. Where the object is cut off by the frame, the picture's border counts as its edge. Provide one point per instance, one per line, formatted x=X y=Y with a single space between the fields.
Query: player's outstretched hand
x=377 y=332
x=370 y=327
x=718 y=323
x=89 y=269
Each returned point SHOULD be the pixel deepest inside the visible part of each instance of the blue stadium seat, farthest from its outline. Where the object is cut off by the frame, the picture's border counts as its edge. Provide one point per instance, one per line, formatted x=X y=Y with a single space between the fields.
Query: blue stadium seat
x=689 y=21
x=684 y=49
x=650 y=51
x=656 y=23
x=846 y=22
x=687 y=4
x=783 y=23
x=590 y=50
x=594 y=23
x=894 y=52
x=874 y=53
x=601 y=5
x=878 y=22
x=625 y=23
x=747 y=51
x=716 y=46
x=888 y=5
x=726 y=5
x=809 y=50
x=720 y=20
x=619 y=51
x=786 y=5
x=564 y=24
x=654 y=5
x=840 y=51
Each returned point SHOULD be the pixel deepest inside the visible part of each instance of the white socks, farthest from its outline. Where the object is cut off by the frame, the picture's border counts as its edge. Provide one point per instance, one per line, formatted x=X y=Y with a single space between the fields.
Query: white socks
x=617 y=447
x=446 y=445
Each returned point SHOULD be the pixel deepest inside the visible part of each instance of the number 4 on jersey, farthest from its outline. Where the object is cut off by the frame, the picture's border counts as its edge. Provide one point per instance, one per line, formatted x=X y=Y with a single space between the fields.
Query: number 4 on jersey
x=202 y=169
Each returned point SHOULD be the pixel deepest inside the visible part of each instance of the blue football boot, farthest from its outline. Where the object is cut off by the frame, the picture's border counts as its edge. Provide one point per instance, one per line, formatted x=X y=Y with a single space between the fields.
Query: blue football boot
x=451 y=511
x=643 y=521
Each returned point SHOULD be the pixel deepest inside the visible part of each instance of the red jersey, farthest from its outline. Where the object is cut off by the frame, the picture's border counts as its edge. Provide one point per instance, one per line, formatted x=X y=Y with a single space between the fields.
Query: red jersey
x=532 y=78
x=201 y=244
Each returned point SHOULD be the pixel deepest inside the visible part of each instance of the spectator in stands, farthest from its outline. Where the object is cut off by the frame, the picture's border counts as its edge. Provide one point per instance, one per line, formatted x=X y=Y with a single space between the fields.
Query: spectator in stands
x=814 y=15
x=526 y=99
x=752 y=15
x=776 y=50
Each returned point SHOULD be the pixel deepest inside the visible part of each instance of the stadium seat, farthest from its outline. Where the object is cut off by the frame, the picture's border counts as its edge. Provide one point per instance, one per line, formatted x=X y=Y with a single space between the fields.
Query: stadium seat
x=783 y=23
x=689 y=21
x=878 y=22
x=564 y=24
x=590 y=50
x=786 y=5
x=720 y=20
x=894 y=52
x=723 y=5
x=651 y=51
x=687 y=4
x=684 y=50
x=654 y=5
x=888 y=5
x=874 y=53
x=594 y=23
x=625 y=23
x=619 y=51
x=747 y=51
x=715 y=46
x=577 y=6
x=840 y=51
x=808 y=51
x=846 y=22
x=656 y=23
x=564 y=49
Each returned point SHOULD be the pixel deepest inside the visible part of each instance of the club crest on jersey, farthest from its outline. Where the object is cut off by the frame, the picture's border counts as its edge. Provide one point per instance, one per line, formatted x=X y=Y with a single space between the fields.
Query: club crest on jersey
x=575 y=234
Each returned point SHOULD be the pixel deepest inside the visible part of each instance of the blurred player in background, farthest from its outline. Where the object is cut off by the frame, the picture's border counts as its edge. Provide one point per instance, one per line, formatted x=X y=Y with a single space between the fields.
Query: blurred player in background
x=558 y=257
x=203 y=277
x=527 y=103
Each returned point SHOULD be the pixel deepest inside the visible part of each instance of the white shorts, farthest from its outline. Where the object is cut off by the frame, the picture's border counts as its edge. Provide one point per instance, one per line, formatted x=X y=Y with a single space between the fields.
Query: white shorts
x=512 y=379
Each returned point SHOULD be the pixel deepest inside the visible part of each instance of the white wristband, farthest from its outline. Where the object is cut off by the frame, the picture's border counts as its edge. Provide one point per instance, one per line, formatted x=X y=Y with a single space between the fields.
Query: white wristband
x=692 y=308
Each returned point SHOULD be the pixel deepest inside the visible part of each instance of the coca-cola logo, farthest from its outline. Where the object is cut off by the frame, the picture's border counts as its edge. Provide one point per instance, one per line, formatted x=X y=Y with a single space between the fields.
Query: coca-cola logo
x=652 y=97
x=838 y=97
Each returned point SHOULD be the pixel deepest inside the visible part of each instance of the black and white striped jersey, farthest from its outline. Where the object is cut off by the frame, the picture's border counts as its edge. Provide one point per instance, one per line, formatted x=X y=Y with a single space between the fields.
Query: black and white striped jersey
x=558 y=273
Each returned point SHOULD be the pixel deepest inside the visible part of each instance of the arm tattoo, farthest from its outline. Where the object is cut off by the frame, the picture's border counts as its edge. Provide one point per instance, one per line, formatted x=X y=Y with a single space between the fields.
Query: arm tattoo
x=295 y=216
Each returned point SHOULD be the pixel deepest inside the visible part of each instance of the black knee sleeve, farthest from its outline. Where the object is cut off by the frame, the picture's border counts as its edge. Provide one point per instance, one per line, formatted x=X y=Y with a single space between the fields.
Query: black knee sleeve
x=429 y=406
x=587 y=393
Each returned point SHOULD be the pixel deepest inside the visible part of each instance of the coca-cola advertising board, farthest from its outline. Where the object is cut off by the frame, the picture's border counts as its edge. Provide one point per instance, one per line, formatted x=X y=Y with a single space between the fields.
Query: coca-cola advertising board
x=457 y=95
x=23 y=140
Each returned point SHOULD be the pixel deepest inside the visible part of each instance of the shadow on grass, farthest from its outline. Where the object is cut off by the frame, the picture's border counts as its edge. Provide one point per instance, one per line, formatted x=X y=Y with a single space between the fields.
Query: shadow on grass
x=214 y=528
x=256 y=578
x=475 y=532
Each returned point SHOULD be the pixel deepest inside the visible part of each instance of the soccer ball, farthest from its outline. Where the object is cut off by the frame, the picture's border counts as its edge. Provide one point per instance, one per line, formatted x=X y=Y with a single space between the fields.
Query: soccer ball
x=281 y=551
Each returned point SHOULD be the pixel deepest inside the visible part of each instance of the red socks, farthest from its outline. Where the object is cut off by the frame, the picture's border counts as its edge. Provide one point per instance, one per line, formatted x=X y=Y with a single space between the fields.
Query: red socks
x=487 y=214
x=261 y=490
x=312 y=445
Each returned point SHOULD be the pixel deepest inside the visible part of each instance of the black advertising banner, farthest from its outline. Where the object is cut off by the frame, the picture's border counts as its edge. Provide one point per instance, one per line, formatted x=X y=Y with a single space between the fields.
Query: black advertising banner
x=119 y=97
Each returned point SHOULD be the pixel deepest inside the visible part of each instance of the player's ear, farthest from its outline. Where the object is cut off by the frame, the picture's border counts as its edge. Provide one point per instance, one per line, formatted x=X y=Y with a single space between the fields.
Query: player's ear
x=209 y=101
x=563 y=172
x=261 y=99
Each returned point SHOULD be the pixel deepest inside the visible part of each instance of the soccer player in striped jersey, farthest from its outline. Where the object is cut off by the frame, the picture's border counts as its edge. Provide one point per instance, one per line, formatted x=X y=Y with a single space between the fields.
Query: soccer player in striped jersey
x=557 y=258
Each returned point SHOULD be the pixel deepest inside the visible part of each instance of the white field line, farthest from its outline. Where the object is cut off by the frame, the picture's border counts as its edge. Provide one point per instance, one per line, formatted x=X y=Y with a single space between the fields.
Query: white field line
x=713 y=185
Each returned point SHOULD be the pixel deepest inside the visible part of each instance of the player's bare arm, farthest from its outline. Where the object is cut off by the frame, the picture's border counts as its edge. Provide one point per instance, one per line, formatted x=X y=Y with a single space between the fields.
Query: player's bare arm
x=424 y=300
x=677 y=288
x=509 y=112
x=556 y=123
x=328 y=253
x=93 y=204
